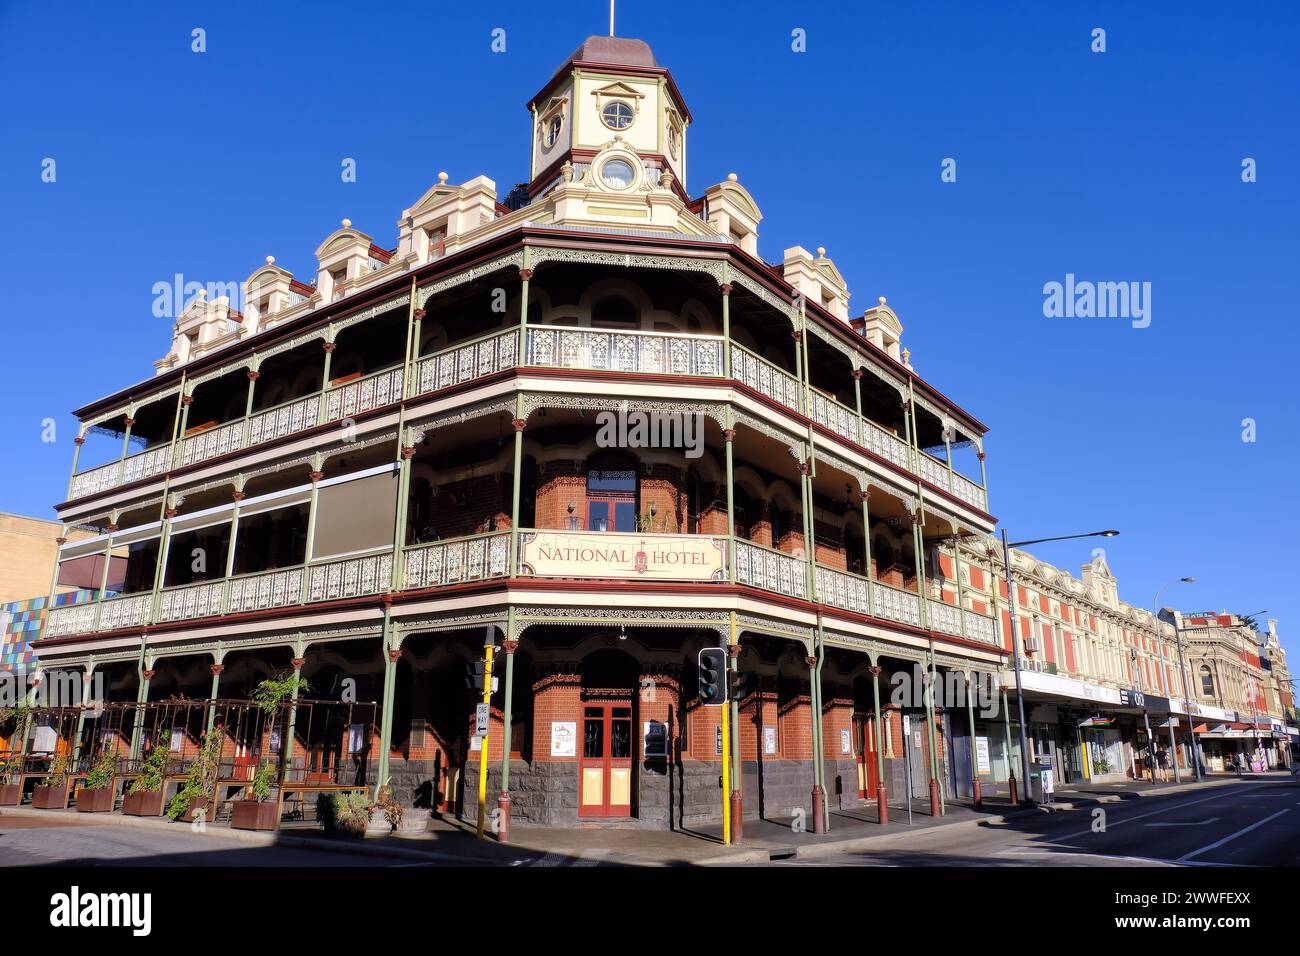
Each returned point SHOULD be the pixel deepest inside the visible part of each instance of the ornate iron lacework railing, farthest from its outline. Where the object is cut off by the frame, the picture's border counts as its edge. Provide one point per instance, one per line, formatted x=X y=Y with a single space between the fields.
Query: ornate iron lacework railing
x=187 y=601
x=466 y=362
x=477 y=558
x=461 y=559
x=373 y=391
x=124 y=610
x=264 y=589
x=770 y=570
x=666 y=353
x=143 y=464
x=762 y=376
x=350 y=577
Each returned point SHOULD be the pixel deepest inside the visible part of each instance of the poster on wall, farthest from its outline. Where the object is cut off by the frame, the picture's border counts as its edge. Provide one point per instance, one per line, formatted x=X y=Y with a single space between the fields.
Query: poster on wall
x=769 y=740
x=564 y=738
x=982 y=764
x=846 y=742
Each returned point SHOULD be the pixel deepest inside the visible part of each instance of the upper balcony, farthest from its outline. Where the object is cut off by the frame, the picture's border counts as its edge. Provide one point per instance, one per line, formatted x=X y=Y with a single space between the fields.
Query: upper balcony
x=578 y=320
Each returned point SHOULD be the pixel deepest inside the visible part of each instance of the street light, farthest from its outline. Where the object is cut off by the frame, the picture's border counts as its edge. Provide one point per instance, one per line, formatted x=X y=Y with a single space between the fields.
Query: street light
x=1182 y=668
x=1015 y=631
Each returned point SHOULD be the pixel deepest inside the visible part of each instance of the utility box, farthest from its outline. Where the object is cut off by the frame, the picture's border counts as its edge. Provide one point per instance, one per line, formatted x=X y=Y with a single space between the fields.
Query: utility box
x=1042 y=781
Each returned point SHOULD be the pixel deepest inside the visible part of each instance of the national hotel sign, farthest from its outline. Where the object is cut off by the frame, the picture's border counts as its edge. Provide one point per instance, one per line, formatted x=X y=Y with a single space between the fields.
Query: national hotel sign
x=651 y=557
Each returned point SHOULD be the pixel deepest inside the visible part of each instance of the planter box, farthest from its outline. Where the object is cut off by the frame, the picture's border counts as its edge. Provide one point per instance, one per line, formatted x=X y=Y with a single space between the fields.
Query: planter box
x=143 y=804
x=198 y=803
x=96 y=801
x=50 y=798
x=254 y=815
x=11 y=794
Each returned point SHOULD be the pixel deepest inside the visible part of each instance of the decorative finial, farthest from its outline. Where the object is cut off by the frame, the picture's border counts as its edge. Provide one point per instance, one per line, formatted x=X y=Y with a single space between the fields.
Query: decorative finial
x=442 y=178
x=270 y=260
x=821 y=252
x=347 y=223
x=882 y=300
x=732 y=177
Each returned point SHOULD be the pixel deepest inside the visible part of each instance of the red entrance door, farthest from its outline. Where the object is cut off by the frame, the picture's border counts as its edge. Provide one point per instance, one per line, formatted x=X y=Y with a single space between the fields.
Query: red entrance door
x=865 y=740
x=605 y=769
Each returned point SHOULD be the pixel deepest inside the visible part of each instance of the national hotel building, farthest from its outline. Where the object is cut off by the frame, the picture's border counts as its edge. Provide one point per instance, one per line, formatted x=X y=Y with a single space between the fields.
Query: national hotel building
x=371 y=469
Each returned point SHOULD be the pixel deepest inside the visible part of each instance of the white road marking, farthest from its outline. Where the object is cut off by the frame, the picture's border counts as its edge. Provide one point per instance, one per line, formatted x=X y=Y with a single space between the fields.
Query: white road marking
x=1186 y=823
x=1230 y=837
x=1141 y=816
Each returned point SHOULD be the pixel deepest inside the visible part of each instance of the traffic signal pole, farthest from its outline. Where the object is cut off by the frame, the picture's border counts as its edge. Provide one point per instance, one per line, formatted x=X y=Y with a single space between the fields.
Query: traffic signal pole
x=726 y=775
x=489 y=652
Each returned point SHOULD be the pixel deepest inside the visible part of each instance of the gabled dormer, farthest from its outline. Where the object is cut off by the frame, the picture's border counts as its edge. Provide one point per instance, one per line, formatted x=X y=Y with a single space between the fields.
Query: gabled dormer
x=344 y=258
x=881 y=326
x=433 y=226
x=732 y=213
x=202 y=326
x=817 y=279
x=267 y=292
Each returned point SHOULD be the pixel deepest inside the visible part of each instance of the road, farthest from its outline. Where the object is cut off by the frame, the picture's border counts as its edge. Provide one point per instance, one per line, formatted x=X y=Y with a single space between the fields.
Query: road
x=1255 y=824
x=1249 y=825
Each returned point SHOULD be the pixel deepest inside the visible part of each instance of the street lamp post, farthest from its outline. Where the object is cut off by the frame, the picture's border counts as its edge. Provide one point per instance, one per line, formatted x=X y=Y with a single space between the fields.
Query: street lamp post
x=1146 y=721
x=1173 y=753
x=1187 y=702
x=1015 y=636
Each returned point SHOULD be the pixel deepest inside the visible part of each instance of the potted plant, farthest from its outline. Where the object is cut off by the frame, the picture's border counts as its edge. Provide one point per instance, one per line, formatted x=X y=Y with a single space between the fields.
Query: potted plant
x=98 y=794
x=261 y=811
x=144 y=798
x=52 y=792
x=11 y=789
x=200 y=782
x=345 y=814
x=393 y=811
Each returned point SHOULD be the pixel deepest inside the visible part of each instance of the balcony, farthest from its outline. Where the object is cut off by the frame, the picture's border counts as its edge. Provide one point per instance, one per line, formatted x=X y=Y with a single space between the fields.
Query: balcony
x=554 y=554
x=563 y=347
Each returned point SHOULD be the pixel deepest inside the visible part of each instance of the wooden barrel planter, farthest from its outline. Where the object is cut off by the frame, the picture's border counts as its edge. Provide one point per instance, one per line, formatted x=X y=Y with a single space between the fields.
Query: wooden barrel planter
x=96 y=801
x=50 y=798
x=254 y=815
x=143 y=804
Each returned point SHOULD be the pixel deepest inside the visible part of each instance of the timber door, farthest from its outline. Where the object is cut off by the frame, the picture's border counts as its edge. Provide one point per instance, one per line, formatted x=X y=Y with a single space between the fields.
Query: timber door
x=864 y=741
x=605 y=768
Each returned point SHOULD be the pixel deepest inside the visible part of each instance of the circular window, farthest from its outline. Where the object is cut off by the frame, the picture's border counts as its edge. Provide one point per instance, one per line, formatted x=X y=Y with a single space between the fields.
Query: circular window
x=552 y=132
x=617 y=174
x=617 y=115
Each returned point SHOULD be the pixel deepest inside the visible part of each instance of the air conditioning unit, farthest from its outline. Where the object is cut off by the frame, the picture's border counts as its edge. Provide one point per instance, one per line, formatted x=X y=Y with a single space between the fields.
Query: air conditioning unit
x=1033 y=644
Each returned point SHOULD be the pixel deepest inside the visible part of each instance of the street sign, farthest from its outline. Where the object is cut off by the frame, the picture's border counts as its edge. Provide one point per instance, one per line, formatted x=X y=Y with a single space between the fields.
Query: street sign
x=481 y=716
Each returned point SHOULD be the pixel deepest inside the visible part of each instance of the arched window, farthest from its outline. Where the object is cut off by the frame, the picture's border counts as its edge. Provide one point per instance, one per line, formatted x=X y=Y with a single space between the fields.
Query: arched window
x=1207 y=681
x=612 y=495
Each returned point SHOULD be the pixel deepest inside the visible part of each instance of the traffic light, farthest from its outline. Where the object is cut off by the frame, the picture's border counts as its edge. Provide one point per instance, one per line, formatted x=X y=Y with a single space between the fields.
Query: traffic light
x=713 y=676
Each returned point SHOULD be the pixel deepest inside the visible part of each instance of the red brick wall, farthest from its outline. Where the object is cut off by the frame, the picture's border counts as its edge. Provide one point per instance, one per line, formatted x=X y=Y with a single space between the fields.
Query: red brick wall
x=485 y=503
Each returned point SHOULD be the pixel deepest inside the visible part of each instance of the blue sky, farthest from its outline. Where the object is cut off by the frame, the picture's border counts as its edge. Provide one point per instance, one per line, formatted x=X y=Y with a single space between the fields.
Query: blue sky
x=1115 y=166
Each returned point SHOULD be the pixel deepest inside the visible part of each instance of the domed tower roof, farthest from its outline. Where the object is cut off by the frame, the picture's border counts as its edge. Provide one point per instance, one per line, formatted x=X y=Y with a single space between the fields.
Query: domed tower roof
x=614 y=50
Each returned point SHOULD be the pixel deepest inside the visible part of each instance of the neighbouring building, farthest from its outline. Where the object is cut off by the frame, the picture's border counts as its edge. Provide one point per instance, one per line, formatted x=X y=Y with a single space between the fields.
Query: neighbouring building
x=1242 y=687
x=1096 y=671
x=28 y=550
